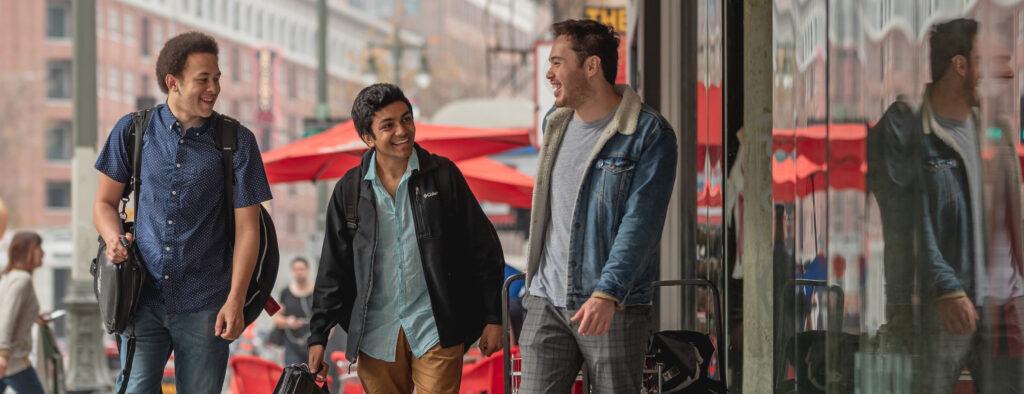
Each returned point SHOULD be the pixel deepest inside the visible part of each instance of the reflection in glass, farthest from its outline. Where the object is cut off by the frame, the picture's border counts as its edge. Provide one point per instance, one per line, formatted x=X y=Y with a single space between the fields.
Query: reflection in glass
x=899 y=239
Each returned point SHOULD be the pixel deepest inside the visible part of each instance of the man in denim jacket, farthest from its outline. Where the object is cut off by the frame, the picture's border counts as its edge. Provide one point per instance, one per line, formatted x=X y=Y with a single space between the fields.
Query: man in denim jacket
x=969 y=262
x=604 y=179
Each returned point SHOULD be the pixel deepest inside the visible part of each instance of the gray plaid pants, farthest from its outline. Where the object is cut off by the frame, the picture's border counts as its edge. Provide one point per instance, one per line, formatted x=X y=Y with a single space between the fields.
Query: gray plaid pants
x=553 y=350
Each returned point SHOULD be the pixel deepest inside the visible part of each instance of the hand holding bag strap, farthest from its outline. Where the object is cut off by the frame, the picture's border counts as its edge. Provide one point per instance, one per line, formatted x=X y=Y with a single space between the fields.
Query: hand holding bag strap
x=140 y=122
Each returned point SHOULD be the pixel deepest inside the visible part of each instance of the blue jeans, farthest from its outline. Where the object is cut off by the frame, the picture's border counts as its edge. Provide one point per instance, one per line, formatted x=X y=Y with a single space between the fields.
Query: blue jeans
x=24 y=382
x=200 y=358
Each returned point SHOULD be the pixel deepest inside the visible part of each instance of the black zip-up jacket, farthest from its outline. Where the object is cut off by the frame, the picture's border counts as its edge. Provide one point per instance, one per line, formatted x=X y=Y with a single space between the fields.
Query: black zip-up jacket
x=461 y=255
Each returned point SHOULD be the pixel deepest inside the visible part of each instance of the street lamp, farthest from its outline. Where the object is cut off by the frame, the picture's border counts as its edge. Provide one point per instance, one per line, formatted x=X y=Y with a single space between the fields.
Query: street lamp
x=396 y=47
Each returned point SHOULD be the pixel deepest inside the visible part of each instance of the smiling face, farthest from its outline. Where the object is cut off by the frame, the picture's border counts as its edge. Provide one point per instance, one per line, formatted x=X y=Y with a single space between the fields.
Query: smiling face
x=194 y=92
x=567 y=75
x=393 y=132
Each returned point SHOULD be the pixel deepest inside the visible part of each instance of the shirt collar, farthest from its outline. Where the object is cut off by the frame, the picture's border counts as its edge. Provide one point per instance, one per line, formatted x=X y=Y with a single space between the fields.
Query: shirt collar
x=167 y=119
x=412 y=165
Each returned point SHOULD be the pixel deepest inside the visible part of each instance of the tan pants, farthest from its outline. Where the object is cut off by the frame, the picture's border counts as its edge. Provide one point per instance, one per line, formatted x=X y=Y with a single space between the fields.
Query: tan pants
x=438 y=371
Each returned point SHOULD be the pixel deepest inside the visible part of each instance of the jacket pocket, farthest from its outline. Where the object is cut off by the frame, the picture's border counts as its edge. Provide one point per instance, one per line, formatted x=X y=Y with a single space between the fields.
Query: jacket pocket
x=942 y=181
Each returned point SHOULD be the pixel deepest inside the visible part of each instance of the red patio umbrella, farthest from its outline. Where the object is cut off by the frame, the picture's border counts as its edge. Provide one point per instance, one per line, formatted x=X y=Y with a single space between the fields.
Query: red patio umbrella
x=329 y=154
x=496 y=182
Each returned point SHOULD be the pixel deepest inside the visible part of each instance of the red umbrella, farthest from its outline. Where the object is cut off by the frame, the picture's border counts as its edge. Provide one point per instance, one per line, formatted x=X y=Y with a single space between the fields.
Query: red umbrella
x=329 y=154
x=496 y=182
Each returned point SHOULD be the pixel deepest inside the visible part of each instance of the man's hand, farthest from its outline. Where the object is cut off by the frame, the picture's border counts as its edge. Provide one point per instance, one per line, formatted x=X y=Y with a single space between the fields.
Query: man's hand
x=41 y=320
x=230 y=322
x=316 y=363
x=595 y=316
x=295 y=323
x=116 y=251
x=957 y=315
x=3 y=365
x=490 y=339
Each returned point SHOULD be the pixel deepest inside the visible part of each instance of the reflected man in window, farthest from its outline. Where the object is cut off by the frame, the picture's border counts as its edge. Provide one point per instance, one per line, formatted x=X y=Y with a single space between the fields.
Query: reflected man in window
x=968 y=286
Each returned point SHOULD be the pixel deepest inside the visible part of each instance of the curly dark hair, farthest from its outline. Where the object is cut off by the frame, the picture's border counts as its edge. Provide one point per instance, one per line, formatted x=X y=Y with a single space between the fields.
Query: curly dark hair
x=370 y=100
x=175 y=53
x=592 y=38
x=949 y=39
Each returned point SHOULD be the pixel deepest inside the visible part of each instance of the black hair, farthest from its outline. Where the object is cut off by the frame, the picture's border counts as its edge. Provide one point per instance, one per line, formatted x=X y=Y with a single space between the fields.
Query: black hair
x=370 y=100
x=175 y=53
x=591 y=38
x=949 y=39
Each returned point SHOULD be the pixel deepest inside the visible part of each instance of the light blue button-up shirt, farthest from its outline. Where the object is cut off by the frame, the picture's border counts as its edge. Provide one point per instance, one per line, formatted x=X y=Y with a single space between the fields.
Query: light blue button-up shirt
x=399 y=298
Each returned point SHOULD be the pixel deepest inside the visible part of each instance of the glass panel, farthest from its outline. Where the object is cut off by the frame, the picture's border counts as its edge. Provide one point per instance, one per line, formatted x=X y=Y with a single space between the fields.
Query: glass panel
x=899 y=233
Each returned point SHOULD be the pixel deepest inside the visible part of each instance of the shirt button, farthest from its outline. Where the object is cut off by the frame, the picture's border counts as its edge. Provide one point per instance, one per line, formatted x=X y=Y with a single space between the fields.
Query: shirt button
x=572 y=263
x=572 y=304
x=577 y=225
x=170 y=222
x=175 y=193
x=167 y=248
x=178 y=165
x=181 y=141
x=166 y=277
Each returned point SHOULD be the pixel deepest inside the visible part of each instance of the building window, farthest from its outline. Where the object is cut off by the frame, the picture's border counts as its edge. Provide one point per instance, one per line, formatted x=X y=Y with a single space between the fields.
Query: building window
x=129 y=29
x=58 y=142
x=158 y=35
x=58 y=194
x=129 y=87
x=412 y=7
x=113 y=83
x=144 y=43
x=113 y=23
x=58 y=79
x=236 y=69
x=58 y=19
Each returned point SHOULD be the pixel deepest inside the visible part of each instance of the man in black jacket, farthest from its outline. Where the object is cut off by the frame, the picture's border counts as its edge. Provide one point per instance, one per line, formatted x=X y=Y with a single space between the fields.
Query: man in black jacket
x=411 y=268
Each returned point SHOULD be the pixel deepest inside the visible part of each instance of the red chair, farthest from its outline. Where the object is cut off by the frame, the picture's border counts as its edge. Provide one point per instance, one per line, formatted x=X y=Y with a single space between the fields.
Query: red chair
x=253 y=375
x=486 y=375
x=349 y=380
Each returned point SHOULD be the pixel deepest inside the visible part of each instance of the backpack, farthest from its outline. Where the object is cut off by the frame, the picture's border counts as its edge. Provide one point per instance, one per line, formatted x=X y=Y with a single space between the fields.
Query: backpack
x=124 y=292
x=350 y=193
x=258 y=297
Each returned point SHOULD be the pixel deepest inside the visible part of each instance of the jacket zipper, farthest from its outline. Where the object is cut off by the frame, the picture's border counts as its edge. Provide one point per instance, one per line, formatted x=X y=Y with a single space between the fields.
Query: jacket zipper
x=418 y=214
x=373 y=260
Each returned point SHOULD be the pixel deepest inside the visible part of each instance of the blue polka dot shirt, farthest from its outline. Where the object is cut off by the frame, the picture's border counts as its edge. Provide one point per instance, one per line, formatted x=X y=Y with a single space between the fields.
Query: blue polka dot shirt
x=181 y=222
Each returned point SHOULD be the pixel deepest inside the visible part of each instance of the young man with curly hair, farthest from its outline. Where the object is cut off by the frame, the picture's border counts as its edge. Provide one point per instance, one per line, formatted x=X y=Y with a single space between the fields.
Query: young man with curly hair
x=193 y=297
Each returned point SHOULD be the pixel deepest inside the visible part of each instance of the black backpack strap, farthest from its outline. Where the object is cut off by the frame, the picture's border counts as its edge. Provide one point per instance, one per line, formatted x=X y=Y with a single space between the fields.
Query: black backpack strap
x=129 y=356
x=133 y=139
x=140 y=122
x=350 y=197
x=227 y=141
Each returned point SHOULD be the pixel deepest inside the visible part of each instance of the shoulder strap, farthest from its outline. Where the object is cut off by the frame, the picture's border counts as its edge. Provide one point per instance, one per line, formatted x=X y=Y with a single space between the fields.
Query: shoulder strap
x=227 y=141
x=350 y=197
x=140 y=122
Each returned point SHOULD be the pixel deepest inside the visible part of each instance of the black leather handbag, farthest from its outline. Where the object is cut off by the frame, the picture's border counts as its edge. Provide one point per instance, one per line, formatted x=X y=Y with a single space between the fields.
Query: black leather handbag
x=118 y=287
x=296 y=379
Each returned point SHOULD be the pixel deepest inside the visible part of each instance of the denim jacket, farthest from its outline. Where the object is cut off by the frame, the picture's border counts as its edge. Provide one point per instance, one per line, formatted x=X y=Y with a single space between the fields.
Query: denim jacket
x=946 y=224
x=620 y=207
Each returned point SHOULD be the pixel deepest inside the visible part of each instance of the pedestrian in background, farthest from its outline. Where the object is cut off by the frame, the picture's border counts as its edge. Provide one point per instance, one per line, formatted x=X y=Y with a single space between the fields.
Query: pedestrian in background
x=19 y=308
x=296 y=308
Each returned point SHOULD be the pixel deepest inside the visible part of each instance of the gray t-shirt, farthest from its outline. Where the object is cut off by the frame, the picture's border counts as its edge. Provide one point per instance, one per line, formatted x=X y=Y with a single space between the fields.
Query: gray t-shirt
x=965 y=136
x=577 y=144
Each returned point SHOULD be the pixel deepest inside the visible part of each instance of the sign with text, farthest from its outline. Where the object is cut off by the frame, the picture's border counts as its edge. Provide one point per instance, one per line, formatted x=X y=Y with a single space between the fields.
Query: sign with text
x=616 y=18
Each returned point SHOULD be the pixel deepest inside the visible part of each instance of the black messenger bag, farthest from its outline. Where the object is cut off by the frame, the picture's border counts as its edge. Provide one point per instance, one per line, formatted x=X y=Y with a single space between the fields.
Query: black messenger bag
x=296 y=379
x=118 y=287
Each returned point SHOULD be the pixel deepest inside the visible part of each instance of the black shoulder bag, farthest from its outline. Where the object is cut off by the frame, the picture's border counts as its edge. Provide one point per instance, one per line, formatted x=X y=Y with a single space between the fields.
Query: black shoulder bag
x=118 y=287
